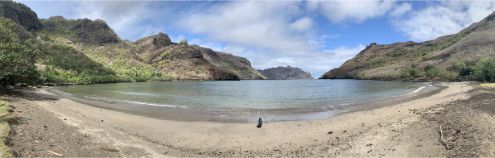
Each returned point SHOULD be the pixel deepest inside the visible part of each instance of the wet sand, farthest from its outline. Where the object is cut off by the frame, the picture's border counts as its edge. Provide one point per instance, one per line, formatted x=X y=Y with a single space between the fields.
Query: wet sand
x=401 y=129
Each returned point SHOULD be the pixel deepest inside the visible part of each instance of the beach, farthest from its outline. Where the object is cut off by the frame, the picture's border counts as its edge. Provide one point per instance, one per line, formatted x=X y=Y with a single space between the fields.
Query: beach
x=45 y=124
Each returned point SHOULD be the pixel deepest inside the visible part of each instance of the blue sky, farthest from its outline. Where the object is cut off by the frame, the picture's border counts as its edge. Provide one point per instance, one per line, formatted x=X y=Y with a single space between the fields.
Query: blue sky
x=313 y=35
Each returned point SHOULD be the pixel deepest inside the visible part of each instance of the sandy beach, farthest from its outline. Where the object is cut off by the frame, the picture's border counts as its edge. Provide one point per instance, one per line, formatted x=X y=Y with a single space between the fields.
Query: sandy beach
x=49 y=125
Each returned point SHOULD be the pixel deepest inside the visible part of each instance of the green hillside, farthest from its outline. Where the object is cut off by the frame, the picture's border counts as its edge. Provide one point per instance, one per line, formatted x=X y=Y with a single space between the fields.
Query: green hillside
x=84 y=51
x=467 y=55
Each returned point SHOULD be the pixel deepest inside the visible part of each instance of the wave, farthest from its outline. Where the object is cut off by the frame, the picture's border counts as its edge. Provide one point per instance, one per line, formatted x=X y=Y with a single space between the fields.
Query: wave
x=137 y=93
x=108 y=100
x=151 y=104
x=417 y=90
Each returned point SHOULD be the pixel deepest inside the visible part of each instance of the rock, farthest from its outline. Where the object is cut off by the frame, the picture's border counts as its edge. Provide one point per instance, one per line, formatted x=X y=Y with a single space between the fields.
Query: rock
x=183 y=61
x=183 y=43
x=331 y=132
x=162 y=40
x=82 y=30
x=20 y=14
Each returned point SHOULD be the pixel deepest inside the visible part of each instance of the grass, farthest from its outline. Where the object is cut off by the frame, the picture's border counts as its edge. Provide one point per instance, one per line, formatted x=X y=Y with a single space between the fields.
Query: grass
x=488 y=85
x=4 y=129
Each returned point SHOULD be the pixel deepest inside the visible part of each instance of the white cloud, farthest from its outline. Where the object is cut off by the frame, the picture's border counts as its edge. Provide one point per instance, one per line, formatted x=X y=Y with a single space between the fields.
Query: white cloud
x=268 y=33
x=253 y=24
x=316 y=63
x=302 y=24
x=443 y=18
x=354 y=11
x=401 y=9
x=129 y=19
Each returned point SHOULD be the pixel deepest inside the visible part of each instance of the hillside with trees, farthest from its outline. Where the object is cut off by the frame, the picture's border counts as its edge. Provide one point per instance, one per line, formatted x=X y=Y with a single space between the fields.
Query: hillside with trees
x=58 y=51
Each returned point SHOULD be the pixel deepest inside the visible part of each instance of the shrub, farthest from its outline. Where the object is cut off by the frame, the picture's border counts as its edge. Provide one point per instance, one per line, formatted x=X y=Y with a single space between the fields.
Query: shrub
x=16 y=59
x=435 y=73
x=410 y=72
x=484 y=70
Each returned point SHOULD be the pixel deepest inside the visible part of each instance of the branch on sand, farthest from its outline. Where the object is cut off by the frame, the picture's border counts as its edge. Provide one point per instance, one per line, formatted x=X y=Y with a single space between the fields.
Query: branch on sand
x=442 y=139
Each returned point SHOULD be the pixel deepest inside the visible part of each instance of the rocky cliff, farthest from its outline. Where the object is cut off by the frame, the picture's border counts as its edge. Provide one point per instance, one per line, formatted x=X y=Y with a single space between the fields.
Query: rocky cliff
x=451 y=57
x=185 y=61
x=21 y=14
x=285 y=73
x=81 y=30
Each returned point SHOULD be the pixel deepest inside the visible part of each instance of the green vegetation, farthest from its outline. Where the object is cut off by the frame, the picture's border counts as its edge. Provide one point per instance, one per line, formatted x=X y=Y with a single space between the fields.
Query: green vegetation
x=410 y=72
x=54 y=60
x=4 y=129
x=81 y=30
x=16 y=58
x=397 y=52
x=484 y=70
x=435 y=73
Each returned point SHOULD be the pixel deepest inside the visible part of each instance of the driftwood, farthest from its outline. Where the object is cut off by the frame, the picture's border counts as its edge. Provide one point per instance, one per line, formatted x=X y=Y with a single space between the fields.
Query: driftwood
x=442 y=140
x=55 y=153
x=58 y=147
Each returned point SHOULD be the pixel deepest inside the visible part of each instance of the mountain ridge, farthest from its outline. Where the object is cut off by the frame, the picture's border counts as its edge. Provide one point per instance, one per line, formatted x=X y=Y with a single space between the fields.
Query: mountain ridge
x=285 y=73
x=107 y=58
x=446 y=58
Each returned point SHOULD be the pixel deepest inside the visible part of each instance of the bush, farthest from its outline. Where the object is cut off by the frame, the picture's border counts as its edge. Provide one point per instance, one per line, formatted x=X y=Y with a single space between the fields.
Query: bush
x=411 y=72
x=435 y=73
x=16 y=59
x=484 y=70
x=464 y=70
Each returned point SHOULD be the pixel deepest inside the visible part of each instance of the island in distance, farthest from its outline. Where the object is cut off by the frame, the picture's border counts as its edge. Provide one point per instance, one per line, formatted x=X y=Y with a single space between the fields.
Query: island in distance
x=285 y=73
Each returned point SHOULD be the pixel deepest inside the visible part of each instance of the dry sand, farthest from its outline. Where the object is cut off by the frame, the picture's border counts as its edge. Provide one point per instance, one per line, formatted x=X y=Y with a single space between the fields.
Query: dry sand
x=405 y=129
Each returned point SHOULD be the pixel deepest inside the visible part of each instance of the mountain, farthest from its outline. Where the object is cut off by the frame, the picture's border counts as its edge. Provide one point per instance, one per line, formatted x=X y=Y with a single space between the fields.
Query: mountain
x=21 y=14
x=81 y=30
x=193 y=62
x=452 y=57
x=84 y=51
x=285 y=73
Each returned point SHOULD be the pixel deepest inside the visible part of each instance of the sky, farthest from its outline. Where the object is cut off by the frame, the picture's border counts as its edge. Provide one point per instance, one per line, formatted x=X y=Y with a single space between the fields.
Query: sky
x=313 y=35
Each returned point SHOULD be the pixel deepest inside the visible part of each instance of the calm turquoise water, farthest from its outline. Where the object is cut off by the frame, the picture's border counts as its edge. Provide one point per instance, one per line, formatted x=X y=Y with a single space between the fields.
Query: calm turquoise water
x=257 y=94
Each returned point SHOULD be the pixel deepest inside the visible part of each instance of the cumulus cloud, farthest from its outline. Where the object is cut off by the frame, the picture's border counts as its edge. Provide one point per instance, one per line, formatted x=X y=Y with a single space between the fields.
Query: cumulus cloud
x=254 y=24
x=274 y=34
x=443 y=18
x=401 y=10
x=355 y=11
x=125 y=17
x=302 y=24
x=268 y=33
x=316 y=63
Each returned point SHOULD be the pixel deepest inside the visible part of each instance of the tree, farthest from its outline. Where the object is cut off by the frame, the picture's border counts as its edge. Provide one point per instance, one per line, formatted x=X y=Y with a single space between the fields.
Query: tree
x=484 y=69
x=16 y=59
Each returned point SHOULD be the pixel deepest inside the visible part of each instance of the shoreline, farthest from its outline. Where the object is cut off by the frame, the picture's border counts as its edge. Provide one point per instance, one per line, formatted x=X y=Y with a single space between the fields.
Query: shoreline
x=244 y=115
x=348 y=134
